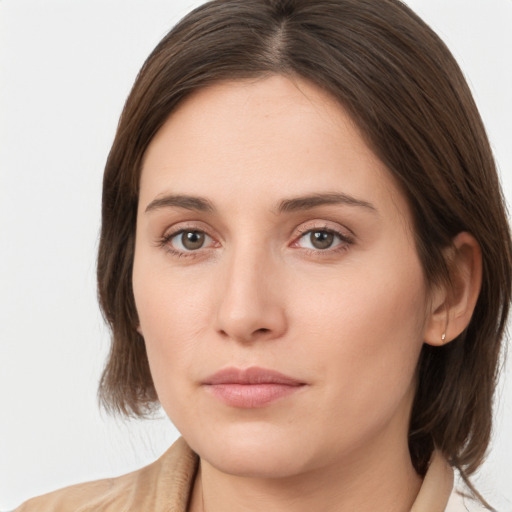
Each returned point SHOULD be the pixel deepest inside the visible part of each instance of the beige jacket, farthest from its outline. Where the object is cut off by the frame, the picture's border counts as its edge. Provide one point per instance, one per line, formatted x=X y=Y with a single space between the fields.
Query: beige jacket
x=165 y=485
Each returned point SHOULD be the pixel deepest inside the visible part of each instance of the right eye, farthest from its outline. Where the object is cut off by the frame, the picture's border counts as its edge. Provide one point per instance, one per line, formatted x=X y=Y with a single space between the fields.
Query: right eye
x=188 y=240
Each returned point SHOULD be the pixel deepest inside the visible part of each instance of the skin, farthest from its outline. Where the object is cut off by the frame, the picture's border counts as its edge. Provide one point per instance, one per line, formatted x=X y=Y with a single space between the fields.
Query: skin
x=347 y=321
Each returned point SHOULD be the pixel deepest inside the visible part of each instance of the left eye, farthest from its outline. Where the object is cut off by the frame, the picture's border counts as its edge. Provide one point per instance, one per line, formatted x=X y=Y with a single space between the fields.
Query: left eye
x=320 y=239
x=189 y=240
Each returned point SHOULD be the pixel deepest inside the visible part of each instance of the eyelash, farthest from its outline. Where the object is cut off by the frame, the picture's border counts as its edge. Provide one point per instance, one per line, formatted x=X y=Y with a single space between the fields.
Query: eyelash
x=345 y=241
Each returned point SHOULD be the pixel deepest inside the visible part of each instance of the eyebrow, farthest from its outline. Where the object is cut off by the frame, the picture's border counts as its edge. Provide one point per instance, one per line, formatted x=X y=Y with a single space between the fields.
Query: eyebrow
x=314 y=200
x=201 y=204
x=181 y=201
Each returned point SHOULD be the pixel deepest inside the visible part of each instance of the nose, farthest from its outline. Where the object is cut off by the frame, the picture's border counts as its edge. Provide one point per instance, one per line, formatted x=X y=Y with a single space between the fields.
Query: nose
x=250 y=305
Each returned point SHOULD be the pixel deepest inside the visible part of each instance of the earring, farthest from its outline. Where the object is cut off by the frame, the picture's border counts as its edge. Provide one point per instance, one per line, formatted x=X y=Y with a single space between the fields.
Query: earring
x=443 y=337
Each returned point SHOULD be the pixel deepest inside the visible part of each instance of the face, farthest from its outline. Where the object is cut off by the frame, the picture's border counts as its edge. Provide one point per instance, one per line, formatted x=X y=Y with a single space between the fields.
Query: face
x=279 y=292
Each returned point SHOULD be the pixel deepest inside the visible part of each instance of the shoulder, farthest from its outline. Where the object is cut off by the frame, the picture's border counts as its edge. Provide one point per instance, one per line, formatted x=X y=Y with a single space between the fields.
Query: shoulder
x=167 y=480
x=76 y=497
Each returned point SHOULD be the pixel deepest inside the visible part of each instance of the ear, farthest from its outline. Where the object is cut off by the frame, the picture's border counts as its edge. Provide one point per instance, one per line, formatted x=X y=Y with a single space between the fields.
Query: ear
x=453 y=303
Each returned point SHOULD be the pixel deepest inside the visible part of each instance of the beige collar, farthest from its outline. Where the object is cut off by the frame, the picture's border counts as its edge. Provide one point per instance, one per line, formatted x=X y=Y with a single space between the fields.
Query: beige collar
x=436 y=488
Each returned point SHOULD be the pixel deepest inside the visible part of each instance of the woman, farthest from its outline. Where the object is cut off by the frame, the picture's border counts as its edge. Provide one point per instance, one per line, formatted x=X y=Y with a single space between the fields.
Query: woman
x=305 y=260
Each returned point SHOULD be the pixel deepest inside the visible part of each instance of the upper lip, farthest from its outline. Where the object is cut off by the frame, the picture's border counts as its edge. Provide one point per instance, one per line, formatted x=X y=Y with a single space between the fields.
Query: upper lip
x=252 y=375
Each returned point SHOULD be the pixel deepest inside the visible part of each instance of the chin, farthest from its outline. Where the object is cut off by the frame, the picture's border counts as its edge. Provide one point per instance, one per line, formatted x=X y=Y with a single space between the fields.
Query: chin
x=255 y=452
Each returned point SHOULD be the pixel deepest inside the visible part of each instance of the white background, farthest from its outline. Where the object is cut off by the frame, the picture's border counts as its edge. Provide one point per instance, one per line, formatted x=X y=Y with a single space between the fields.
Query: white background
x=66 y=68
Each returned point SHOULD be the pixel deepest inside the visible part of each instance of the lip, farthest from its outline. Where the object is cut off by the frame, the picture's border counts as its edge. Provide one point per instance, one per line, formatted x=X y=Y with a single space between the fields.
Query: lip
x=252 y=387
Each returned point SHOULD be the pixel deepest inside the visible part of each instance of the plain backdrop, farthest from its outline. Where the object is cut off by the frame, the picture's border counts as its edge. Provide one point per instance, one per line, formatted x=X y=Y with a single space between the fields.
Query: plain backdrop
x=66 y=68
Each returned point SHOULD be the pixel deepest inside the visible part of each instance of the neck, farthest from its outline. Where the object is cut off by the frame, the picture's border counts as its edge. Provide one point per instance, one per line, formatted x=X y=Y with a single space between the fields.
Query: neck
x=360 y=481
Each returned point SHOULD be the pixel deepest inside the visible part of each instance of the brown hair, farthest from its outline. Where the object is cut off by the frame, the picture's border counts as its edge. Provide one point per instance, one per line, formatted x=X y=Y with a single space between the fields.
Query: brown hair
x=405 y=91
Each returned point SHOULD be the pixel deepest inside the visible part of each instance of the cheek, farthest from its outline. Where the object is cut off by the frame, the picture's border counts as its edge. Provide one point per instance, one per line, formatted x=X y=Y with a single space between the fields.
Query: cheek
x=173 y=314
x=367 y=326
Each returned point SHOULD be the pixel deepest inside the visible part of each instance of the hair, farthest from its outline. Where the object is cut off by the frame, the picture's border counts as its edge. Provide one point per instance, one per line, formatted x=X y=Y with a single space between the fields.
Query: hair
x=405 y=91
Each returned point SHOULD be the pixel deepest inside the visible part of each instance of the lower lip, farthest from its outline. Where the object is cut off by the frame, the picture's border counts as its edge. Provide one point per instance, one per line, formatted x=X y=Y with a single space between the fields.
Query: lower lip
x=251 y=396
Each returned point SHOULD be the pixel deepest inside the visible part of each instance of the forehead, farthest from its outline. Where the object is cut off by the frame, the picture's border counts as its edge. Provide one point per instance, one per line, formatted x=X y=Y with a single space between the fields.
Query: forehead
x=269 y=137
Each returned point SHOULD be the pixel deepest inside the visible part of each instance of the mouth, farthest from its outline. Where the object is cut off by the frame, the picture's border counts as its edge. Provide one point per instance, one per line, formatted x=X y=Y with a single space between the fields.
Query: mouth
x=250 y=387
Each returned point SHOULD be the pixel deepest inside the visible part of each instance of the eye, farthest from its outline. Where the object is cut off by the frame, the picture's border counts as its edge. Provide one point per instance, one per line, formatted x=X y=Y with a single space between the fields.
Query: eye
x=322 y=239
x=189 y=240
